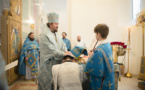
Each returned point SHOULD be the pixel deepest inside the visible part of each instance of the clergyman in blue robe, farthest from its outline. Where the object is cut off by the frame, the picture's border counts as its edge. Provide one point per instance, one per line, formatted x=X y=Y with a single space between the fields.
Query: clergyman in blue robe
x=29 y=64
x=66 y=41
x=100 y=64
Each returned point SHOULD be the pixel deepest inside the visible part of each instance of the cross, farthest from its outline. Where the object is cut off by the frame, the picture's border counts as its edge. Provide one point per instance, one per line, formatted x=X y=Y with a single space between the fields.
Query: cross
x=99 y=88
x=50 y=17
x=109 y=47
x=110 y=57
x=97 y=79
x=91 y=60
x=101 y=73
x=101 y=60
x=109 y=85
x=75 y=51
x=90 y=70
x=34 y=47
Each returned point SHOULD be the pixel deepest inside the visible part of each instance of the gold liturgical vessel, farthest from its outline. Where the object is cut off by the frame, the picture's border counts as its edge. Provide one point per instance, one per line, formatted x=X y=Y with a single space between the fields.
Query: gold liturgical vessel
x=140 y=21
x=128 y=74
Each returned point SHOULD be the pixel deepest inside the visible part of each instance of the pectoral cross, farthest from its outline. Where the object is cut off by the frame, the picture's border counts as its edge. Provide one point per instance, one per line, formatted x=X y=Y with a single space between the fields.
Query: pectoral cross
x=109 y=85
x=34 y=47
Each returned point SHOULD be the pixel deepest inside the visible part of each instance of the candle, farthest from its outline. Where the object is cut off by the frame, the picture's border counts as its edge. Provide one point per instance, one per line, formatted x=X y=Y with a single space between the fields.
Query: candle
x=129 y=30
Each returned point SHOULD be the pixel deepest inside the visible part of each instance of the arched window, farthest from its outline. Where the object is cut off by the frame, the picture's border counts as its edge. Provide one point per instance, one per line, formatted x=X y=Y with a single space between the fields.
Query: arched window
x=136 y=7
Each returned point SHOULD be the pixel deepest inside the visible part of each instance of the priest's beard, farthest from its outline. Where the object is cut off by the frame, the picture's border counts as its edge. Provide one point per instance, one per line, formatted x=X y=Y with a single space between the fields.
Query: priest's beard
x=31 y=39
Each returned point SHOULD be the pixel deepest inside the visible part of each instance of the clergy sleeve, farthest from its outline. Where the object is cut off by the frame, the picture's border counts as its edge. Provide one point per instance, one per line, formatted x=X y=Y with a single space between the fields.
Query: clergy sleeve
x=26 y=53
x=95 y=64
x=51 y=50
x=69 y=46
x=64 y=47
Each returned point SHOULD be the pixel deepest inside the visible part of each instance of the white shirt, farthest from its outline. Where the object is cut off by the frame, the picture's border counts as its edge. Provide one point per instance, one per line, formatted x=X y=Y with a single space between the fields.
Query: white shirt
x=101 y=42
x=68 y=76
x=81 y=43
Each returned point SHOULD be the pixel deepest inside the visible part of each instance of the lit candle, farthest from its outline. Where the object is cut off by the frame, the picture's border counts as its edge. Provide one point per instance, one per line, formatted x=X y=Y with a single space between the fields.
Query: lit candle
x=129 y=30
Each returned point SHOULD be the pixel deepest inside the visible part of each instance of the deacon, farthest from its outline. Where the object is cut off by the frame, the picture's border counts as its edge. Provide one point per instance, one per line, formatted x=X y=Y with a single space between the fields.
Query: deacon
x=29 y=64
x=100 y=64
x=66 y=41
x=68 y=75
x=52 y=51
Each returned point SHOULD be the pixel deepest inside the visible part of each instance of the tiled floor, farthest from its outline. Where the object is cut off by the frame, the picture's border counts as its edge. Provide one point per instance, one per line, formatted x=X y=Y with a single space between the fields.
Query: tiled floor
x=124 y=84
x=129 y=83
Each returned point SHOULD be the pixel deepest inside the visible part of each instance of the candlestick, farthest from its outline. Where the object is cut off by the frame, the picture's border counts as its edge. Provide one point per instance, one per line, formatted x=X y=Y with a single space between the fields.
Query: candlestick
x=129 y=30
x=128 y=75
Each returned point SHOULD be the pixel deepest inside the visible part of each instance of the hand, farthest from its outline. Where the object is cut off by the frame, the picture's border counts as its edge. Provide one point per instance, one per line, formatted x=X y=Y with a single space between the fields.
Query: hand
x=69 y=53
x=26 y=59
x=91 y=53
x=38 y=58
x=66 y=53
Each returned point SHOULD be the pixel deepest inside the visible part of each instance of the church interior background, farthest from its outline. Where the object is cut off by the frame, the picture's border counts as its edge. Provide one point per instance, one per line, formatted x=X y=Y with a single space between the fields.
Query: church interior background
x=77 y=17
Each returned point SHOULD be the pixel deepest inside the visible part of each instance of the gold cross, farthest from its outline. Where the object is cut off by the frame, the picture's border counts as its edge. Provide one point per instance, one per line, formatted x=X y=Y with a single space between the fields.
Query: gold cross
x=91 y=60
x=109 y=85
x=97 y=79
x=101 y=60
x=90 y=70
x=76 y=51
x=101 y=73
x=99 y=88
x=34 y=47
x=110 y=57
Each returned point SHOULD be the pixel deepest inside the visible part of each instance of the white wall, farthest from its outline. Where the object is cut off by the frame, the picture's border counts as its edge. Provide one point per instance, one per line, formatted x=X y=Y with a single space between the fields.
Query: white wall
x=117 y=14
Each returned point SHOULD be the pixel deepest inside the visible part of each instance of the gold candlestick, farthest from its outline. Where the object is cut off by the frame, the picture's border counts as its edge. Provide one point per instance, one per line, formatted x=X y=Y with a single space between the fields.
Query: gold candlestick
x=128 y=75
